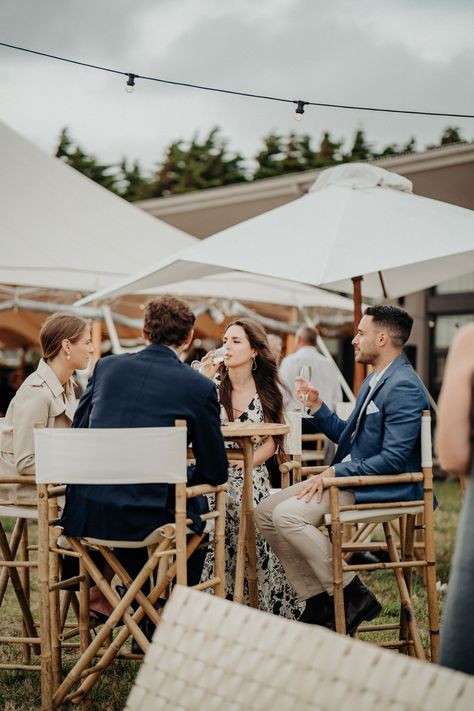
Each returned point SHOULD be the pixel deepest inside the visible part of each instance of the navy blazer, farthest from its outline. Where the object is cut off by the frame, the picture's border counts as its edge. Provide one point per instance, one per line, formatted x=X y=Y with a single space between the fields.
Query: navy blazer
x=151 y=388
x=382 y=435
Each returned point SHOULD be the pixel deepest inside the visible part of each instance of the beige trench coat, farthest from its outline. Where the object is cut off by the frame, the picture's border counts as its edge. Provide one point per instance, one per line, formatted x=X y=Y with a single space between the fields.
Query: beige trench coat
x=41 y=398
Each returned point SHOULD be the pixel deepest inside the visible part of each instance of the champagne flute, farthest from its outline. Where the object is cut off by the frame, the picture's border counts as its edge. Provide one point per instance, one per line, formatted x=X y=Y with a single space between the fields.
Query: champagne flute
x=305 y=373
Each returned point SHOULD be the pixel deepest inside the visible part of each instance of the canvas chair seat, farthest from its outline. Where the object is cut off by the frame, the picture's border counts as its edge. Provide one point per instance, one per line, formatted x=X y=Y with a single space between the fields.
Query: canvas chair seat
x=30 y=512
x=167 y=531
x=375 y=515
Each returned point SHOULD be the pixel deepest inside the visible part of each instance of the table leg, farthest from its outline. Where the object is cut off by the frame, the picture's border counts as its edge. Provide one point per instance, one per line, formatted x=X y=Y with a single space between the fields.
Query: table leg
x=240 y=557
x=251 y=547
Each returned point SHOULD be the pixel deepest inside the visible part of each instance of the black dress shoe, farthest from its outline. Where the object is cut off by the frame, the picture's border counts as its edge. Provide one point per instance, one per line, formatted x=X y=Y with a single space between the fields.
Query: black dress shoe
x=319 y=610
x=360 y=604
x=148 y=628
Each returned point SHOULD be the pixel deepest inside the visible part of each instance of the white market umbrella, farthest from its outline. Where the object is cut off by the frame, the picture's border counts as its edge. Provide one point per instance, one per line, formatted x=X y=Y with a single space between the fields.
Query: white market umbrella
x=356 y=219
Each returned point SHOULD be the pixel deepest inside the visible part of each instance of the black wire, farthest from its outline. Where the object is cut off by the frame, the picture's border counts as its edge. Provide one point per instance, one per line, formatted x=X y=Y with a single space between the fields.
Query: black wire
x=236 y=93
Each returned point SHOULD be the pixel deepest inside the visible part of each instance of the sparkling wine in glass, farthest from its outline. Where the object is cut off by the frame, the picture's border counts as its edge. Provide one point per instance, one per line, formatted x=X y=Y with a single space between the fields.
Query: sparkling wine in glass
x=305 y=372
x=218 y=356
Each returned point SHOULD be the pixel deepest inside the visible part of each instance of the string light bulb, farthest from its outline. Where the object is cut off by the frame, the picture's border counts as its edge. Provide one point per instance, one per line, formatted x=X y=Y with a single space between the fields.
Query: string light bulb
x=130 y=83
x=299 y=111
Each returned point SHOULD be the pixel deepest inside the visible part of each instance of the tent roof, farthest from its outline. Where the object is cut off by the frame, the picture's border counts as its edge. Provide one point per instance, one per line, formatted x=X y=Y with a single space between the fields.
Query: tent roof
x=61 y=230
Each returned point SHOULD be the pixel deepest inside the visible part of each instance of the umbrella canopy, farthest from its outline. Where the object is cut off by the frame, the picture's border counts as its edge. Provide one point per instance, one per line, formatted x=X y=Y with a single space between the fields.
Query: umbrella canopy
x=257 y=289
x=60 y=230
x=356 y=219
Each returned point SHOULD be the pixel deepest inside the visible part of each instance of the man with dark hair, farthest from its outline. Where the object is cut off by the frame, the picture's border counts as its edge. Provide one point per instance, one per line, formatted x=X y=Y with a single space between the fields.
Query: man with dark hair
x=381 y=436
x=151 y=388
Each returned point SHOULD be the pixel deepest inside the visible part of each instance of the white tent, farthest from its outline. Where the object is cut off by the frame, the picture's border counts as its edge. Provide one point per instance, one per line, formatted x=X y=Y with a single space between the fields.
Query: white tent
x=60 y=230
x=355 y=220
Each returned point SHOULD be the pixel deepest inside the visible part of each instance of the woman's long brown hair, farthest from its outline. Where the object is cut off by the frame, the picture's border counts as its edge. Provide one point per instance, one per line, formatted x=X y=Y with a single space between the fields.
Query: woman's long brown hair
x=267 y=381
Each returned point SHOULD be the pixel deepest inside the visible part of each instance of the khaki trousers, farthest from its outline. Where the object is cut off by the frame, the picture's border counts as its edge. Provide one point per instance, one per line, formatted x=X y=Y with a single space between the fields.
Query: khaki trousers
x=290 y=526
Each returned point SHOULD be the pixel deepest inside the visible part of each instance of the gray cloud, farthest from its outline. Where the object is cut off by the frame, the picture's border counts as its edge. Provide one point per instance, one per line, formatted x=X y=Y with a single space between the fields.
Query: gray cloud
x=380 y=53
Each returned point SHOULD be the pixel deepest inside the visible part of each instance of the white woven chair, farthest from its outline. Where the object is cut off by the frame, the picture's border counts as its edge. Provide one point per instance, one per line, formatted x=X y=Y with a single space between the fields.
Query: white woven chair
x=213 y=654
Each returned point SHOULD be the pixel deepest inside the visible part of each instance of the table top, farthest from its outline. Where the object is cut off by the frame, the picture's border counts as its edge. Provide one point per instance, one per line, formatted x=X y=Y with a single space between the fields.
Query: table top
x=233 y=430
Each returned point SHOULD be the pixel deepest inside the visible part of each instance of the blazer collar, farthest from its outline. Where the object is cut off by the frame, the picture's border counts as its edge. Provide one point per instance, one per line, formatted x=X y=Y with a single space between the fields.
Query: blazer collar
x=163 y=349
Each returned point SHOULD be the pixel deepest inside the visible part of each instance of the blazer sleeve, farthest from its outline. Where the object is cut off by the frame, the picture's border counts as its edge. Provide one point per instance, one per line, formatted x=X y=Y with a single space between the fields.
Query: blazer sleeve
x=31 y=406
x=208 y=443
x=84 y=409
x=402 y=422
x=328 y=423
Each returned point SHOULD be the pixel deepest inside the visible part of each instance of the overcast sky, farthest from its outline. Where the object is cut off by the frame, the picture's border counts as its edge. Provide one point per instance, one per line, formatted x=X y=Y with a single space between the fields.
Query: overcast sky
x=390 y=53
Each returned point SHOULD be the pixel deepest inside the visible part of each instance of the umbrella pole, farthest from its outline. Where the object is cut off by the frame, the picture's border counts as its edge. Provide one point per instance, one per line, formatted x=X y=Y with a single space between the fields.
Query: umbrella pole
x=359 y=368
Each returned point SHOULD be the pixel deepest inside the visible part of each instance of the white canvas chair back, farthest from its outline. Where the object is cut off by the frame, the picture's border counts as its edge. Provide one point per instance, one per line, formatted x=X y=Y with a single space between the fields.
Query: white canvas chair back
x=293 y=445
x=210 y=653
x=143 y=455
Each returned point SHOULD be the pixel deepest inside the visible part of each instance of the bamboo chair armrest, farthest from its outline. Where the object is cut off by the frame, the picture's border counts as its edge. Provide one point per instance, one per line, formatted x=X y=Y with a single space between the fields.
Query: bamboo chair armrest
x=200 y=489
x=372 y=480
x=19 y=479
x=286 y=467
x=55 y=491
x=314 y=470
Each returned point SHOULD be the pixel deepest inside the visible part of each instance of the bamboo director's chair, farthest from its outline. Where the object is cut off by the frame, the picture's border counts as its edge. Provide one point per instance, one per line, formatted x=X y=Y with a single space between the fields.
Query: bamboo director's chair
x=121 y=456
x=20 y=558
x=404 y=517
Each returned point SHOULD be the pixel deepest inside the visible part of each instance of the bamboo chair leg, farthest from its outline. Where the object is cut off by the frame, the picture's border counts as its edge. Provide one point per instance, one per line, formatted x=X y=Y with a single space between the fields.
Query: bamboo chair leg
x=407 y=555
x=18 y=588
x=109 y=655
x=430 y=556
x=25 y=581
x=336 y=535
x=54 y=600
x=14 y=543
x=406 y=602
x=43 y=587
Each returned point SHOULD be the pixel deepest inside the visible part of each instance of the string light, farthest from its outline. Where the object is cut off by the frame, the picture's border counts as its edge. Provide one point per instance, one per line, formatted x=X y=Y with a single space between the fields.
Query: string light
x=300 y=104
x=130 y=83
x=299 y=111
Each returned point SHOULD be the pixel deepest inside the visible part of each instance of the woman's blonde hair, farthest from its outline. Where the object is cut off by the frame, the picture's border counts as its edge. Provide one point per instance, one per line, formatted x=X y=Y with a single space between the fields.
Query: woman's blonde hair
x=56 y=329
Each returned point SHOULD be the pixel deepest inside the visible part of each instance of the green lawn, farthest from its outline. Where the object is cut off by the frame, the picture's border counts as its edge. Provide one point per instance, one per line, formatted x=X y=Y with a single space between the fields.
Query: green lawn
x=20 y=691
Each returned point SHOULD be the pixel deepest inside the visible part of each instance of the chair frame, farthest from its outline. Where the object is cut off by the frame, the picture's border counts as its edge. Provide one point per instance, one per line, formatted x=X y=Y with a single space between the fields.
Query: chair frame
x=172 y=548
x=403 y=564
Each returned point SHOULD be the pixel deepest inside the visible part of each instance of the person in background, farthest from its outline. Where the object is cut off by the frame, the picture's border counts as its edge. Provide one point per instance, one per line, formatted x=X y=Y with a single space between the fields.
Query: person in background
x=455 y=433
x=276 y=346
x=249 y=391
x=323 y=372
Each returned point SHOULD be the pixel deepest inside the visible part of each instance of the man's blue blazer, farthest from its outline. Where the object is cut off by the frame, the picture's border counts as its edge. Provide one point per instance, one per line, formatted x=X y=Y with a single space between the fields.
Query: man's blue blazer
x=385 y=439
x=151 y=388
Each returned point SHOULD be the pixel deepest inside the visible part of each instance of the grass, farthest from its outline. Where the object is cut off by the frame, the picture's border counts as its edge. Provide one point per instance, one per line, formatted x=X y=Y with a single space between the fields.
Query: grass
x=20 y=691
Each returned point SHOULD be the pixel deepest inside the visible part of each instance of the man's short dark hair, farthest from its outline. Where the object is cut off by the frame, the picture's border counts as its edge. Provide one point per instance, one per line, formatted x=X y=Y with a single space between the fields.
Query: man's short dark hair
x=168 y=320
x=397 y=322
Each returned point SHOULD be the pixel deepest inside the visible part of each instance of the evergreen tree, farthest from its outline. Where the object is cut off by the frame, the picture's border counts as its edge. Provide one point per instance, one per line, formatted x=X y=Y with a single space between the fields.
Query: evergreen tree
x=270 y=157
x=86 y=164
x=329 y=151
x=197 y=166
x=134 y=186
x=361 y=150
x=451 y=134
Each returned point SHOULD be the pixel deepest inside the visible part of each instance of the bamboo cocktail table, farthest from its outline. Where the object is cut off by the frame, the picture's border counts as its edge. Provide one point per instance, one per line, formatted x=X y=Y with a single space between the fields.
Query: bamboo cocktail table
x=246 y=435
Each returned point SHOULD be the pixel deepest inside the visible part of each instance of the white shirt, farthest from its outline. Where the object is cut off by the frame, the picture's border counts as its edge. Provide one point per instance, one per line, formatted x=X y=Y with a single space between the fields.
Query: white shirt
x=323 y=377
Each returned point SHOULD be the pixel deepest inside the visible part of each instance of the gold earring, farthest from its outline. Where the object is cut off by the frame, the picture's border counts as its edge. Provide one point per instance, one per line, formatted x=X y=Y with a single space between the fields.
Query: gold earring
x=254 y=363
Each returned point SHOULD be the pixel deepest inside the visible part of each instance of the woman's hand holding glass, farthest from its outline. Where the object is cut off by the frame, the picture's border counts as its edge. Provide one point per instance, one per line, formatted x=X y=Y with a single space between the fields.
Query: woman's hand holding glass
x=210 y=363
